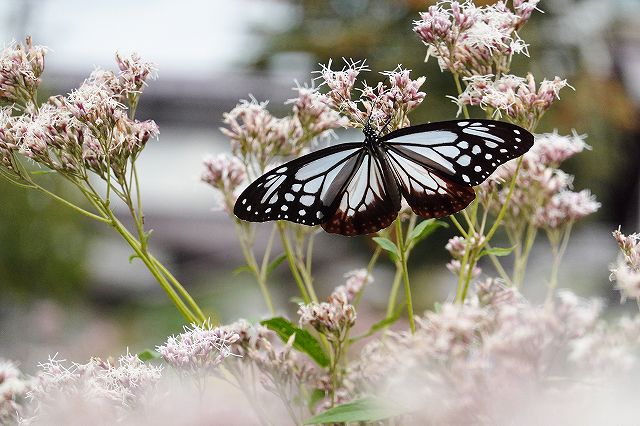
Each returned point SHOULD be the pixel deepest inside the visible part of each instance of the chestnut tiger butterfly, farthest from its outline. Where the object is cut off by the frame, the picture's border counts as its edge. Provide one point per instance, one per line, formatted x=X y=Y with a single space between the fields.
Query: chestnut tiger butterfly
x=356 y=188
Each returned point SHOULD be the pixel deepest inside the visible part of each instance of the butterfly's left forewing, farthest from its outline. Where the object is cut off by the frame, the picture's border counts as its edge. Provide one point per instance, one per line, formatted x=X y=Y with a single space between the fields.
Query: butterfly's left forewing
x=303 y=190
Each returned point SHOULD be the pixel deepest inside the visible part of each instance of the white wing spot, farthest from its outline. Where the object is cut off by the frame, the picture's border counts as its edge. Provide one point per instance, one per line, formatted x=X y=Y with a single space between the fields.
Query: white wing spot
x=244 y=201
x=516 y=131
x=296 y=187
x=248 y=208
x=302 y=212
x=503 y=150
x=464 y=144
x=449 y=151
x=476 y=124
x=281 y=170
x=491 y=144
x=268 y=210
x=465 y=160
x=518 y=139
x=477 y=168
x=462 y=123
x=319 y=215
x=307 y=200
x=289 y=197
x=466 y=178
x=273 y=199
x=488 y=156
x=284 y=207
x=476 y=149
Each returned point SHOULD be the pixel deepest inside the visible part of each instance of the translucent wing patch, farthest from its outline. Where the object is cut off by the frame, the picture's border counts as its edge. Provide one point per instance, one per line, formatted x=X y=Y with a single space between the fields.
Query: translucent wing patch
x=303 y=190
x=429 y=192
x=466 y=152
x=368 y=202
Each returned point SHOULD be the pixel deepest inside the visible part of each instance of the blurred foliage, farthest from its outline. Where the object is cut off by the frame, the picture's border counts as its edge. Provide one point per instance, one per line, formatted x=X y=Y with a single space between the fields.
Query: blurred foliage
x=380 y=31
x=42 y=247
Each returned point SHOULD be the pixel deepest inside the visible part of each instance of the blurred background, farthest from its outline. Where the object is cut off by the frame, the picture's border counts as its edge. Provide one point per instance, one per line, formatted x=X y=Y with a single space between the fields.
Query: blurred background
x=66 y=285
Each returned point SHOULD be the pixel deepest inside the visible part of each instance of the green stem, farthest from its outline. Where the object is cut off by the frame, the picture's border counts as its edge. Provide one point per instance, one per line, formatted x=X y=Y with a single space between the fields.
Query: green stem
x=69 y=204
x=558 y=253
x=503 y=210
x=405 y=274
x=456 y=78
x=393 y=295
x=292 y=263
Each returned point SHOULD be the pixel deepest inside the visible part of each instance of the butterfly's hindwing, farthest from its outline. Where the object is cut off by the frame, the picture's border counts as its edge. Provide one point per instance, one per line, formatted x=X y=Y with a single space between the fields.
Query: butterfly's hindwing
x=465 y=151
x=430 y=193
x=368 y=202
x=302 y=190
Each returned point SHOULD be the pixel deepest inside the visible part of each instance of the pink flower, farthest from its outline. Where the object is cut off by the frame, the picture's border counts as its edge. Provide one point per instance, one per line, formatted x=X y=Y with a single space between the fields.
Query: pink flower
x=20 y=69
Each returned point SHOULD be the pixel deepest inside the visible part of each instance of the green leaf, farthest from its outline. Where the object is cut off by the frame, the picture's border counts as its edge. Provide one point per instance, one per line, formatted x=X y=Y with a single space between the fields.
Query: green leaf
x=497 y=251
x=424 y=229
x=367 y=409
x=437 y=307
x=241 y=269
x=316 y=396
x=388 y=245
x=42 y=172
x=132 y=257
x=276 y=262
x=148 y=355
x=304 y=341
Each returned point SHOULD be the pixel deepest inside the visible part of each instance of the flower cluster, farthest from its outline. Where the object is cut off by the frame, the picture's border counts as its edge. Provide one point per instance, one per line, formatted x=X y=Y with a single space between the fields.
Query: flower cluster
x=109 y=386
x=20 y=69
x=356 y=281
x=542 y=194
x=90 y=129
x=626 y=271
x=519 y=99
x=198 y=348
x=469 y=40
x=332 y=318
x=13 y=388
x=258 y=137
x=226 y=174
x=457 y=246
x=457 y=367
x=385 y=105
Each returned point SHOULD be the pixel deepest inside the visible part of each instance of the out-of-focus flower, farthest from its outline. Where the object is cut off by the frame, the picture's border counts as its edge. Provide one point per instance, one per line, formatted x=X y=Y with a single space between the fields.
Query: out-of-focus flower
x=517 y=98
x=13 y=388
x=552 y=149
x=454 y=266
x=110 y=386
x=456 y=246
x=470 y=40
x=20 y=69
x=257 y=135
x=311 y=109
x=356 y=280
x=332 y=318
x=198 y=348
x=467 y=362
x=626 y=271
x=226 y=174
x=565 y=207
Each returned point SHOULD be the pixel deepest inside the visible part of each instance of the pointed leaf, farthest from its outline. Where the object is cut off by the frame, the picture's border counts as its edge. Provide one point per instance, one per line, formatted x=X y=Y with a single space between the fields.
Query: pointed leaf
x=424 y=229
x=304 y=341
x=276 y=262
x=388 y=245
x=241 y=269
x=367 y=409
x=497 y=251
x=148 y=355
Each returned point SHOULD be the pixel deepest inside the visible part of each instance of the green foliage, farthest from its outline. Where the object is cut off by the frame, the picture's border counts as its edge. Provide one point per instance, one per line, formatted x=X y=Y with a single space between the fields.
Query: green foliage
x=42 y=247
x=368 y=409
x=303 y=342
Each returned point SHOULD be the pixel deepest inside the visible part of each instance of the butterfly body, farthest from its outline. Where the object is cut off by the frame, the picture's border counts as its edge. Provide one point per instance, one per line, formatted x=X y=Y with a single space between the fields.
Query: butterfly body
x=357 y=188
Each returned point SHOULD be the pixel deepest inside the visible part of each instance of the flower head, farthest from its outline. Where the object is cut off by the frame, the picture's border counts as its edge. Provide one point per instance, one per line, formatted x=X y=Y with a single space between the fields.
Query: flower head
x=332 y=318
x=20 y=69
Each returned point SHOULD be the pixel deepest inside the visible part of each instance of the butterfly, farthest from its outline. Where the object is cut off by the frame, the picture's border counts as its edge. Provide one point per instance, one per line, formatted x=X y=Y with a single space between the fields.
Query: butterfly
x=357 y=188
